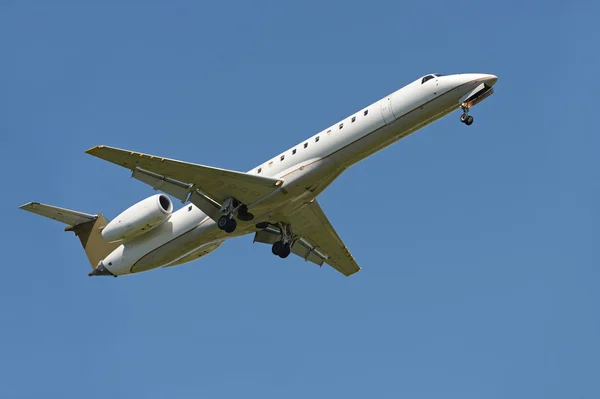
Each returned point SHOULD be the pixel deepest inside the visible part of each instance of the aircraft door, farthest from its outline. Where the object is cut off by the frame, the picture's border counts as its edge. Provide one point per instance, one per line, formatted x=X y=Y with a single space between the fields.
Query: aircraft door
x=386 y=110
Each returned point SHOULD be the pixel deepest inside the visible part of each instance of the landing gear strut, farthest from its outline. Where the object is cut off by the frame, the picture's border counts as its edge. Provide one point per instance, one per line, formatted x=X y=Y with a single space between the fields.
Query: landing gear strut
x=283 y=247
x=465 y=117
x=230 y=207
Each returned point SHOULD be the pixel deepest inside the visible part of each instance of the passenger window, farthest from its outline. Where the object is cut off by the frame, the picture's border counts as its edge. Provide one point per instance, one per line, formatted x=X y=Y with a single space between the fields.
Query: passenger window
x=316 y=139
x=259 y=170
x=270 y=164
x=426 y=78
x=294 y=151
x=366 y=112
x=329 y=131
x=282 y=157
x=341 y=126
x=353 y=119
x=305 y=145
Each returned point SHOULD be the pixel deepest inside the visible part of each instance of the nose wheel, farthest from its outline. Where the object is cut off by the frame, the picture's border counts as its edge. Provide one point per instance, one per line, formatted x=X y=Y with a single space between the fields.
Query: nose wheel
x=465 y=117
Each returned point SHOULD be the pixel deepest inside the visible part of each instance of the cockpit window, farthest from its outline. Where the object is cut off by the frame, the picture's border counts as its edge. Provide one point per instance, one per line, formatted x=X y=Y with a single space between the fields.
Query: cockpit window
x=426 y=78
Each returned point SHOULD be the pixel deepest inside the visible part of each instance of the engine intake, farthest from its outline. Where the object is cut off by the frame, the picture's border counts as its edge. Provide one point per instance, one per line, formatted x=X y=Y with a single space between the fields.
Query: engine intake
x=139 y=218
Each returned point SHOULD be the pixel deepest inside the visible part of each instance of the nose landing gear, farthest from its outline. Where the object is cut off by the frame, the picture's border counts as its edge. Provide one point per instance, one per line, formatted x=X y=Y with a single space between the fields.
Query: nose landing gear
x=465 y=117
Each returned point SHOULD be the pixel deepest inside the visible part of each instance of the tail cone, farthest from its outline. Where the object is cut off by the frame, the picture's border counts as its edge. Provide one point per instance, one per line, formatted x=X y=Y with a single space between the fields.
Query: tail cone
x=100 y=271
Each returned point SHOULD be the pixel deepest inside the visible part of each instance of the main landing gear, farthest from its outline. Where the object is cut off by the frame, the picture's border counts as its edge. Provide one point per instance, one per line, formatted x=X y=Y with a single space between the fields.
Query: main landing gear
x=227 y=223
x=283 y=247
x=465 y=117
x=231 y=207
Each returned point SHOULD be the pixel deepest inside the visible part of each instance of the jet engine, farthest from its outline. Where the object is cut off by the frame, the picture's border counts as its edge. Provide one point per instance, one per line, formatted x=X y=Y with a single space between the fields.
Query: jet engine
x=139 y=218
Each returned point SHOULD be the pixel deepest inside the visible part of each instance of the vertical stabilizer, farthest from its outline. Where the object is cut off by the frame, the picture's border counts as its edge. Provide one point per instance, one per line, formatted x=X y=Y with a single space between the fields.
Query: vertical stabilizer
x=96 y=248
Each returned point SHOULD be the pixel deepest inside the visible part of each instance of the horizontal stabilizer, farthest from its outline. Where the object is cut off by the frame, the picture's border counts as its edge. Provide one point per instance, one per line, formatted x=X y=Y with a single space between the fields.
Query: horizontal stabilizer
x=66 y=216
x=85 y=226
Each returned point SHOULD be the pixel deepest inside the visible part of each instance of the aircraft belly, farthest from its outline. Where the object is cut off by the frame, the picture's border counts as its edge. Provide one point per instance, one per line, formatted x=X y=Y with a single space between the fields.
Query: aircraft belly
x=199 y=252
x=177 y=247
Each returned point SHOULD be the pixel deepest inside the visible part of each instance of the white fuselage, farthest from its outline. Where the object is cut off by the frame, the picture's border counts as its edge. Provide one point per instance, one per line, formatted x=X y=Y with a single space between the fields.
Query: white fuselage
x=306 y=169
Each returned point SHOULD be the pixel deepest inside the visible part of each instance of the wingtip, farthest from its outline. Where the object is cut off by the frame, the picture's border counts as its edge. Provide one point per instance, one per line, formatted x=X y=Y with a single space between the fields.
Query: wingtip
x=29 y=204
x=354 y=272
x=94 y=149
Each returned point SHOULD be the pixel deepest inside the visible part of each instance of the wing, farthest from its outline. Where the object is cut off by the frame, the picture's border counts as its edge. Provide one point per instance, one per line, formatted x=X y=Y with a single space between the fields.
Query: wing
x=205 y=186
x=318 y=242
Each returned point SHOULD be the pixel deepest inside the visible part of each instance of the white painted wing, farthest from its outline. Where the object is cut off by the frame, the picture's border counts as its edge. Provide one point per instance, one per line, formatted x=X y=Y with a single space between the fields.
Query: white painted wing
x=180 y=178
x=312 y=225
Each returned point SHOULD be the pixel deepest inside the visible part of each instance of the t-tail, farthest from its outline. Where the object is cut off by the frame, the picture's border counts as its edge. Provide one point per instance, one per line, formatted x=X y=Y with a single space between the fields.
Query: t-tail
x=85 y=226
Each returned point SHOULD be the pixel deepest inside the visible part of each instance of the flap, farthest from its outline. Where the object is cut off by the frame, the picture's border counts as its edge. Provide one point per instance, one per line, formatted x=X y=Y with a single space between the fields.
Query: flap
x=172 y=187
x=300 y=248
x=182 y=191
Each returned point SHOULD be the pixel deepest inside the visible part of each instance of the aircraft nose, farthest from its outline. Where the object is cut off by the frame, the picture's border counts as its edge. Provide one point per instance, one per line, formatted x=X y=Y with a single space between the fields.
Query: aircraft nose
x=490 y=80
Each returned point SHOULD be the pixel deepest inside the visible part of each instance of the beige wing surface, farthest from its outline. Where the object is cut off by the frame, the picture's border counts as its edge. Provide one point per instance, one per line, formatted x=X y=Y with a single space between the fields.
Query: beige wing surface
x=317 y=240
x=205 y=186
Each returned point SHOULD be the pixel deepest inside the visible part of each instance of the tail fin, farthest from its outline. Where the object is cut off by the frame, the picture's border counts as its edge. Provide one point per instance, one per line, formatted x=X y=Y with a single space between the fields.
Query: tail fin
x=85 y=226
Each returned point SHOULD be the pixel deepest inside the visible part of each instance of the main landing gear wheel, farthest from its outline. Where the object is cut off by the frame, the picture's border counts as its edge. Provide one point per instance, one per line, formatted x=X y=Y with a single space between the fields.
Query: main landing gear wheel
x=226 y=223
x=281 y=249
x=229 y=208
x=277 y=247
x=285 y=251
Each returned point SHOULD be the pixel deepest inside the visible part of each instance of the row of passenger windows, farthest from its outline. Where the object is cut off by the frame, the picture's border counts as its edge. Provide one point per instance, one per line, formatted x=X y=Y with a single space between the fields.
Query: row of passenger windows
x=340 y=127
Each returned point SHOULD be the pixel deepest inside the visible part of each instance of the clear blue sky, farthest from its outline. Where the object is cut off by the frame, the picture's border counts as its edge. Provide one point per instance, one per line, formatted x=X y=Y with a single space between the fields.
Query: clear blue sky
x=482 y=283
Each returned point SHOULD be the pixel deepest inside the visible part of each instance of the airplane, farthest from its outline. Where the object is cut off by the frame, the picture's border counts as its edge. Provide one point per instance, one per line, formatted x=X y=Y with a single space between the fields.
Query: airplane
x=275 y=201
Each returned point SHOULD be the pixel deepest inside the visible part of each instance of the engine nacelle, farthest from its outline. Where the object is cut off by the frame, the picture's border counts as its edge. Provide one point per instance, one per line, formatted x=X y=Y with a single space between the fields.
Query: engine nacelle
x=139 y=219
